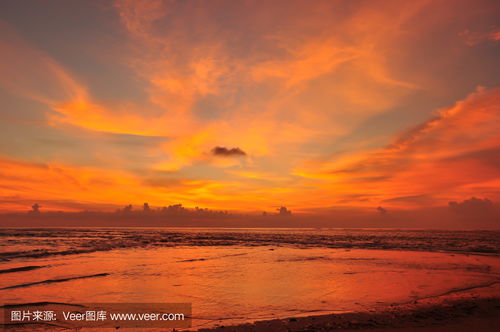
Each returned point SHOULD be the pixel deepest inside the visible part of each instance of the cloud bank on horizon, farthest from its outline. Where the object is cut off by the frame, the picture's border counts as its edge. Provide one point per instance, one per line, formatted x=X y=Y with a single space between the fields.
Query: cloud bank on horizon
x=246 y=106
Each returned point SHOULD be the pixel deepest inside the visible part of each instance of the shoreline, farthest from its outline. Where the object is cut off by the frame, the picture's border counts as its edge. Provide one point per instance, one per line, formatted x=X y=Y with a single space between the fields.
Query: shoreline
x=471 y=310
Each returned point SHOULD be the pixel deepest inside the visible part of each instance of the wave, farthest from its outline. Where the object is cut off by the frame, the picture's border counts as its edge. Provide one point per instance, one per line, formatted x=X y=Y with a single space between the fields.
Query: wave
x=40 y=253
x=210 y=258
x=50 y=281
x=39 y=243
x=21 y=269
x=460 y=290
x=43 y=303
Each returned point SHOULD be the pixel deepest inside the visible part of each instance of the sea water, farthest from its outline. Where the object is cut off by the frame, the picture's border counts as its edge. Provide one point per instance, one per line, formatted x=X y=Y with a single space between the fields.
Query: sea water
x=232 y=276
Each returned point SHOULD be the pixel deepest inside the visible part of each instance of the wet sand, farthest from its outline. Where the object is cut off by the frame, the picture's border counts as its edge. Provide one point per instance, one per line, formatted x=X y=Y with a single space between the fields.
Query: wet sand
x=264 y=280
x=477 y=310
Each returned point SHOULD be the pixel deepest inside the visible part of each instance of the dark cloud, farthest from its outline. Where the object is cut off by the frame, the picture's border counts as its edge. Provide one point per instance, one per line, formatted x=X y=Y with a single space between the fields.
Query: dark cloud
x=381 y=210
x=170 y=183
x=472 y=206
x=225 y=152
x=488 y=157
x=415 y=199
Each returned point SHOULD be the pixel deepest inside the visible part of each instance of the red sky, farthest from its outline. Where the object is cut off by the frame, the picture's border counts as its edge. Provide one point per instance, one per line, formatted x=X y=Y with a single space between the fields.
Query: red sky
x=248 y=105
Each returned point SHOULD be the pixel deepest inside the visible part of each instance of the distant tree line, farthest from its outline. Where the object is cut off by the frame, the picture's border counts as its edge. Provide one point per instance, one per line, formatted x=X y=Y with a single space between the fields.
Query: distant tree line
x=176 y=210
x=171 y=210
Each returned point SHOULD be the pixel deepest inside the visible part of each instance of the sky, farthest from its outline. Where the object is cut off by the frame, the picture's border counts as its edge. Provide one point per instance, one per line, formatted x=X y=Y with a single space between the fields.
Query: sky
x=248 y=105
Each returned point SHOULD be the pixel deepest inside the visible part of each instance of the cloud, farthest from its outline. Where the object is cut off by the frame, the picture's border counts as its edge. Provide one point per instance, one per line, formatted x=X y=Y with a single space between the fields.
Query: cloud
x=50 y=183
x=471 y=206
x=173 y=183
x=423 y=199
x=251 y=73
x=287 y=85
x=472 y=38
x=454 y=153
x=225 y=152
x=33 y=74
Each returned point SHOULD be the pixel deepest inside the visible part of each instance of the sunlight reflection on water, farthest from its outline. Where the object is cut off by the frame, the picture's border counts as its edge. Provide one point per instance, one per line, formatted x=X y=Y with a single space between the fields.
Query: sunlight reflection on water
x=240 y=283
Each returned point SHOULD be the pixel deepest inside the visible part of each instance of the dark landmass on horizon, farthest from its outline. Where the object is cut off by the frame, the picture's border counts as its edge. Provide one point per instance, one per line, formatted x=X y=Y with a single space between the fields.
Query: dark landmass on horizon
x=473 y=213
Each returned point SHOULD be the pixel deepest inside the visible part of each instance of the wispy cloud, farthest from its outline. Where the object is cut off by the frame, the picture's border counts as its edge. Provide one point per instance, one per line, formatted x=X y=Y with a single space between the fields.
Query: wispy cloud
x=248 y=105
x=441 y=157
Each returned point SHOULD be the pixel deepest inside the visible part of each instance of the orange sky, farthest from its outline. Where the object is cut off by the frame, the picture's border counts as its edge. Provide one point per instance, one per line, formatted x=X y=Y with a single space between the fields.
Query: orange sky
x=313 y=104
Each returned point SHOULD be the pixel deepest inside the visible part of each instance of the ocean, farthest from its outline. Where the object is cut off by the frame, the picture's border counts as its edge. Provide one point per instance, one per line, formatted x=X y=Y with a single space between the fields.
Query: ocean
x=234 y=276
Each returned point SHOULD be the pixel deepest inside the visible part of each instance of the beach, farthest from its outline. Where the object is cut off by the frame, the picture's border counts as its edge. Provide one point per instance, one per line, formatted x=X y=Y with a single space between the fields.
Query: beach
x=464 y=311
x=274 y=279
